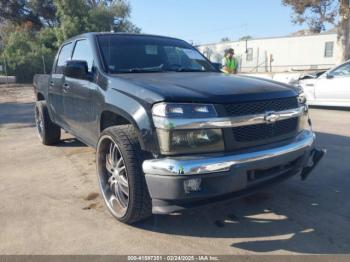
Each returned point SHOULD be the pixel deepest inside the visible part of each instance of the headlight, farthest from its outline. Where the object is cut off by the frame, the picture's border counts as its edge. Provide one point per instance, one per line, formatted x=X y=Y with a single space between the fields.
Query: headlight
x=174 y=140
x=190 y=141
x=305 y=122
x=301 y=95
x=302 y=98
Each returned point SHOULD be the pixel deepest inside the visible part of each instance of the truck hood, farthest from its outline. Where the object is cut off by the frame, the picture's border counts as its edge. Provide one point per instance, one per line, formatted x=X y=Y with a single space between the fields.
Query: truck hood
x=205 y=87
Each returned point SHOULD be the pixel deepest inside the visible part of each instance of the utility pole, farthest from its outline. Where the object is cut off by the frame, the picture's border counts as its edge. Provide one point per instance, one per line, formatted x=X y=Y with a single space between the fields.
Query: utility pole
x=42 y=57
x=271 y=60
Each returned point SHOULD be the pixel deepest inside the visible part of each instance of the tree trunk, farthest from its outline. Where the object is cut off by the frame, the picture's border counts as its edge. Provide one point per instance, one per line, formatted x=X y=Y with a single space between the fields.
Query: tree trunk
x=344 y=31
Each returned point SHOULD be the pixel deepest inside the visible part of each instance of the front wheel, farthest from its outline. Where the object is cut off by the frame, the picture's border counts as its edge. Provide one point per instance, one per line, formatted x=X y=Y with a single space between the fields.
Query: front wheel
x=121 y=180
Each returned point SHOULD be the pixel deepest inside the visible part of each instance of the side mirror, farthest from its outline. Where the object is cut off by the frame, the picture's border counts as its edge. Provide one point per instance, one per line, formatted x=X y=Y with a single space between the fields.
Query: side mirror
x=329 y=76
x=76 y=69
x=217 y=66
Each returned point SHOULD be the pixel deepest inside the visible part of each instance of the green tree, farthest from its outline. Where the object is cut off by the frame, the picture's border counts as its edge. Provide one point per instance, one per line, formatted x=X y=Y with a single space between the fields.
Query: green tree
x=225 y=39
x=80 y=16
x=40 y=13
x=244 y=38
x=25 y=55
x=32 y=30
x=73 y=18
x=47 y=38
x=316 y=13
x=110 y=16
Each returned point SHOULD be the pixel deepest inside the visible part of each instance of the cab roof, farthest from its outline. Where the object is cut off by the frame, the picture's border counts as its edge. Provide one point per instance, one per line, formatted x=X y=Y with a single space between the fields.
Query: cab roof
x=92 y=34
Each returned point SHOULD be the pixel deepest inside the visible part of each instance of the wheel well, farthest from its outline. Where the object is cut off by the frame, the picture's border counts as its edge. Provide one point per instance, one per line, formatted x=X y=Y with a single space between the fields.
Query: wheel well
x=112 y=119
x=40 y=97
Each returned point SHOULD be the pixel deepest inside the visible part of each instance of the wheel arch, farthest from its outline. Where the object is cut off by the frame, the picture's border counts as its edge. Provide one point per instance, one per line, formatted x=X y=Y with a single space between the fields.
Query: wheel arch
x=113 y=116
x=110 y=118
x=137 y=112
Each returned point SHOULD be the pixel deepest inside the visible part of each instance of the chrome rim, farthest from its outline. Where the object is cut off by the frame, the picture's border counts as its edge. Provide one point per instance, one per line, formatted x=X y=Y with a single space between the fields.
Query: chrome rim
x=113 y=177
x=39 y=122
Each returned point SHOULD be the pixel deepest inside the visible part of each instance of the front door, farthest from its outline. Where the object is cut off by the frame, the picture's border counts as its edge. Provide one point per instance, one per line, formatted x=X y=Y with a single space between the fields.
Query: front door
x=334 y=87
x=80 y=110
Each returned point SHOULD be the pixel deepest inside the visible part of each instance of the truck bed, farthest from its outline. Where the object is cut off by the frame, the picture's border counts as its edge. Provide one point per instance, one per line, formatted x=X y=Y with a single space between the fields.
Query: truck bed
x=41 y=83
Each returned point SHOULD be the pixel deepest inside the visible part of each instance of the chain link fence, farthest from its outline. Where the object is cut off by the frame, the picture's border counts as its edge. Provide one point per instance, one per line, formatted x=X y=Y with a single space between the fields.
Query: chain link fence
x=11 y=71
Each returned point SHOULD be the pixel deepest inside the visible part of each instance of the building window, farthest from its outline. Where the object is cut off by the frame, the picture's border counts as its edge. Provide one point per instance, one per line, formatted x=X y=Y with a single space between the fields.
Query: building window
x=250 y=54
x=328 y=49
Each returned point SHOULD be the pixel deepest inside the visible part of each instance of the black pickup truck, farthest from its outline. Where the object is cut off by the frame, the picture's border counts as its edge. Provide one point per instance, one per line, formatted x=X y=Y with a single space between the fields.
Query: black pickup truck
x=170 y=130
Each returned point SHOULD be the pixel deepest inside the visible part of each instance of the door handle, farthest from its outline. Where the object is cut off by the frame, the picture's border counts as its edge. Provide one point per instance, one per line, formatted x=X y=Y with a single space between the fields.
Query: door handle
x=51 y=83
x=66 y=87
x=309 y=84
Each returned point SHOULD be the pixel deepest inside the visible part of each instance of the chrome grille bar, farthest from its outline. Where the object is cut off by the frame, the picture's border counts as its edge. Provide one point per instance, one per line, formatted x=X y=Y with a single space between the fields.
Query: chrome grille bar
x=226 y=122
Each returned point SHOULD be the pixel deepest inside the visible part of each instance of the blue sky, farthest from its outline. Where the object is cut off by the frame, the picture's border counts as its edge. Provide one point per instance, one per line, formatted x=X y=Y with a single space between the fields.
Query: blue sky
x=206 y=21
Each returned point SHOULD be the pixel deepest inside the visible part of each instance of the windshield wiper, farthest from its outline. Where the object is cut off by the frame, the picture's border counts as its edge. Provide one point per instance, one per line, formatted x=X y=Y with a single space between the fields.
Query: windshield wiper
x=179 y=68
x=141 y=69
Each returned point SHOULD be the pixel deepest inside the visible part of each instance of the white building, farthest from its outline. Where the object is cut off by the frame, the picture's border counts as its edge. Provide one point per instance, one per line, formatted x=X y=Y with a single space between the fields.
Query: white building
x=279 y=54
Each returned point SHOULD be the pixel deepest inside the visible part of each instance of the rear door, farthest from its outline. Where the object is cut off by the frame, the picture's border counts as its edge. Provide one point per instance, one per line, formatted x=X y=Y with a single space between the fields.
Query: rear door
x=80 y=109
x=333 y=88
x=57 y=85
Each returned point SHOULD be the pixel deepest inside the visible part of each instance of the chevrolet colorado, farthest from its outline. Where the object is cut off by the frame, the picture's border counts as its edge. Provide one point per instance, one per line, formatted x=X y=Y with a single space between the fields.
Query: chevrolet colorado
x=170 y=130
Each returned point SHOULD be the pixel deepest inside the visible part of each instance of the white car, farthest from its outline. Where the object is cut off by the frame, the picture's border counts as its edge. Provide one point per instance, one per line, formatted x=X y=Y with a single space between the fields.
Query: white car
x=331 y=88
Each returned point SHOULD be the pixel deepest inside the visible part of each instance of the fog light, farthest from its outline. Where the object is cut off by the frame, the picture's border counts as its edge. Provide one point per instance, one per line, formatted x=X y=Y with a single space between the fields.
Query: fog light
x=192 y=185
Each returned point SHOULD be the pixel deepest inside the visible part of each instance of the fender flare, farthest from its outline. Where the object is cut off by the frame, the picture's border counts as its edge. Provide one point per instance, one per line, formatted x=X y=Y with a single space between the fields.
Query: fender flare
x=136 y=114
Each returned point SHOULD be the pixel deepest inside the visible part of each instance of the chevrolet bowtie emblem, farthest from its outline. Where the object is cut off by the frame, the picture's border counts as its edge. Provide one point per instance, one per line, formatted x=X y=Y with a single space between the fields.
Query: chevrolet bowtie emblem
x=271 y=117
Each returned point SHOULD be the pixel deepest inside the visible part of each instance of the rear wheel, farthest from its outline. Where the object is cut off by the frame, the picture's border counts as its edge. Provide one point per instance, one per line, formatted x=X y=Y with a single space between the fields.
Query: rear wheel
x=49 y=133
x=121 y=180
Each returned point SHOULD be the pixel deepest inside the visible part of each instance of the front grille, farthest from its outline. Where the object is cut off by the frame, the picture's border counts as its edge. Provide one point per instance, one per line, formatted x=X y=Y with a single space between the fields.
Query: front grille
x=259 y=132
x=266 y=133
x=260 y=107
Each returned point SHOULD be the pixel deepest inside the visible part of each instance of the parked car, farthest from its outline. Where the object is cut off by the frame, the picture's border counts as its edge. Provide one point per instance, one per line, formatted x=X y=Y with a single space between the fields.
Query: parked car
x=332 y=88
x=311 y=75
x=171 y=131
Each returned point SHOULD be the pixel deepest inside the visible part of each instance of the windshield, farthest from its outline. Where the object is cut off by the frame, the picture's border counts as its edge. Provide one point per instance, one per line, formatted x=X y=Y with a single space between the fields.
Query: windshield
x=138 y=54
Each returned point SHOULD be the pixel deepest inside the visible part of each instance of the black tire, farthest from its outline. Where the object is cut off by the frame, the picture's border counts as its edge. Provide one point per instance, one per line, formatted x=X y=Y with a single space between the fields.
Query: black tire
x=49 y=132
x=125 y=140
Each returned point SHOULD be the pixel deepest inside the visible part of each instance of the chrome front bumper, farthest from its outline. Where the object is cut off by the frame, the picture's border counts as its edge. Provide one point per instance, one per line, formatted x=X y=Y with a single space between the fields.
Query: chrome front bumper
x=223 y=176
x=197 y=165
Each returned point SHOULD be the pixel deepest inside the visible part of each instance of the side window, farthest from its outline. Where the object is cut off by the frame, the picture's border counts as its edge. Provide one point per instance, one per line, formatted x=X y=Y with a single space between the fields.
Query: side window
x=343 y=70
x=82 y=51
x=64 y=55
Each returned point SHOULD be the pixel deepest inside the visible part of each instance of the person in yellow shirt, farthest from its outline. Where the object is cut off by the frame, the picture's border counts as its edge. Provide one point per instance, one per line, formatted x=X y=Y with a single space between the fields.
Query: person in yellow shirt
x=230 y=64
